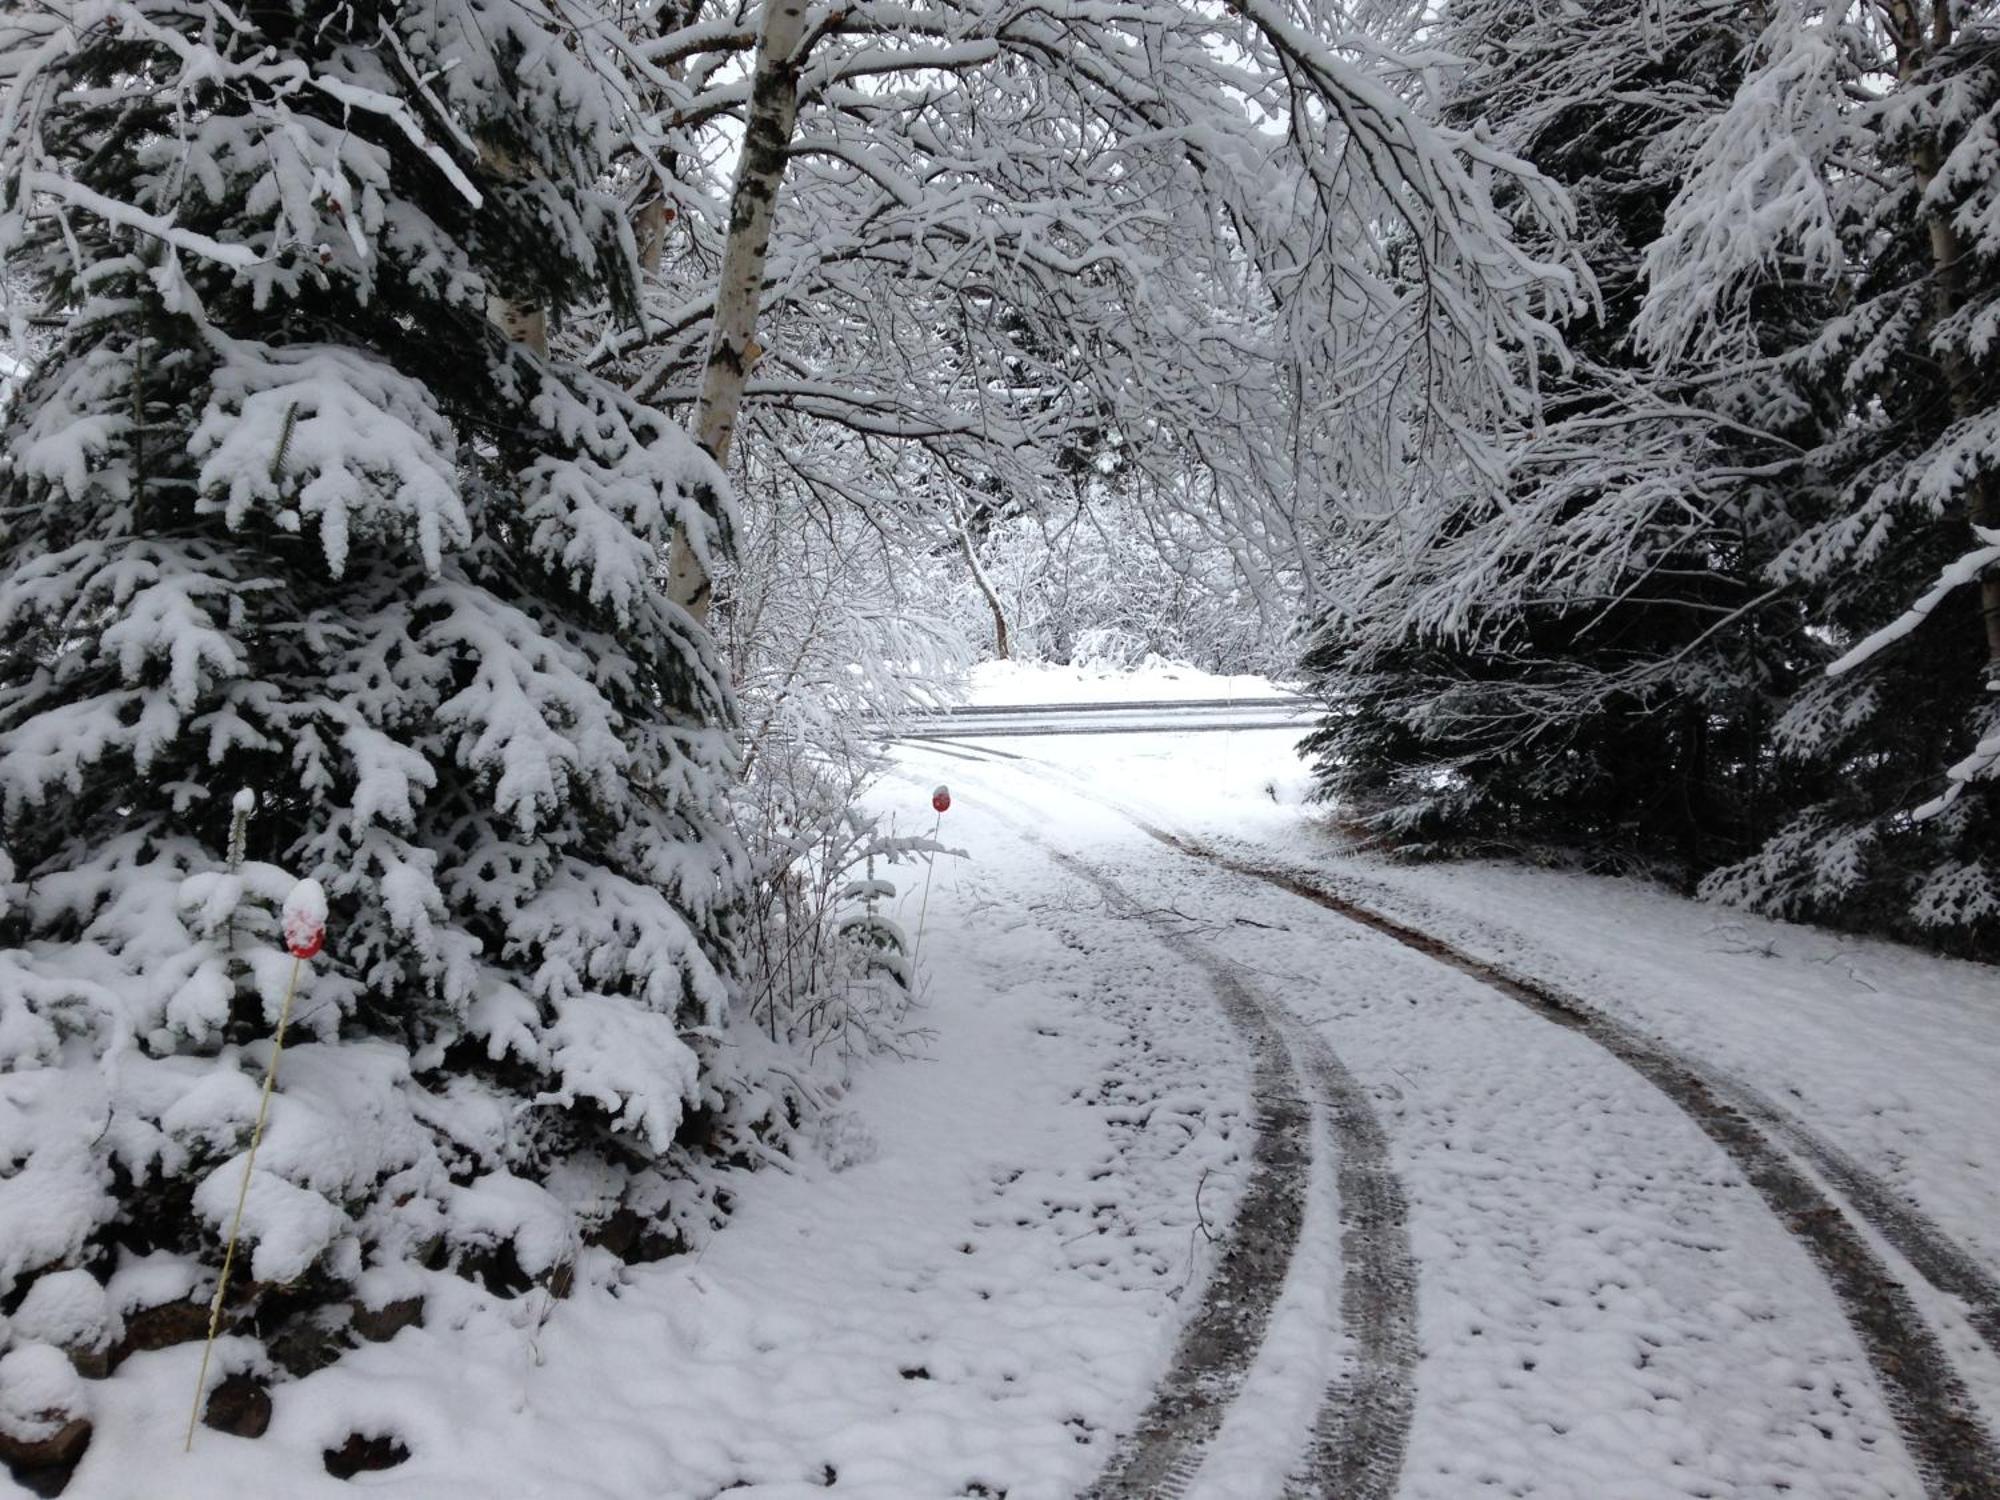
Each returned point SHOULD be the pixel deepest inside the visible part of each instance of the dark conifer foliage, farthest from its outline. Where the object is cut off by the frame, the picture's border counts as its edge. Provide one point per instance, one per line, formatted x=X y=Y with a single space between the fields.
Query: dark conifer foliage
x=1896 y=823
x=1575 y=663
x=287 y=512
x=1715 y=614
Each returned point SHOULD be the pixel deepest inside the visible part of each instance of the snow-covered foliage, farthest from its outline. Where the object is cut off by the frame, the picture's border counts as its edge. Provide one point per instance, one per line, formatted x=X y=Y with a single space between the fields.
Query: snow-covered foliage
x=830 y=628
x=1099 y=582
x=832 y=635
x=1757 y=470
x=13 y=370
x=1900 y=361
x=286 y=511
x=829 y=972
x=1220 y=257
x=1508 y=658
x=1896 y=745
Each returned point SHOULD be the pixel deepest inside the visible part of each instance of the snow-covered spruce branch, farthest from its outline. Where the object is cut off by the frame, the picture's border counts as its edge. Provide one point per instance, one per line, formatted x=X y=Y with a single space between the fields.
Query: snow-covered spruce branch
x=1965 y=570
x=126 y=216
x=284 y=509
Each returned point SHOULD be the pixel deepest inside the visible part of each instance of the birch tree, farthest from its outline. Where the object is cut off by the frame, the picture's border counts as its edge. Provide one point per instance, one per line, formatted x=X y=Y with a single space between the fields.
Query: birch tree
x=1231 y=238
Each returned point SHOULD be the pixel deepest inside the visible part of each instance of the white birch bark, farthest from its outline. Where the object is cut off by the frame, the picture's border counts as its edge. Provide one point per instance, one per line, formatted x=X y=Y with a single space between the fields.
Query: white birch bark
x=524 y=322
x=732 y=349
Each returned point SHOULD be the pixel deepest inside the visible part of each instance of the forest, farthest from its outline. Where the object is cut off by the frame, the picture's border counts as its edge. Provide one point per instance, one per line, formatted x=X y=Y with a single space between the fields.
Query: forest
x=517 y=463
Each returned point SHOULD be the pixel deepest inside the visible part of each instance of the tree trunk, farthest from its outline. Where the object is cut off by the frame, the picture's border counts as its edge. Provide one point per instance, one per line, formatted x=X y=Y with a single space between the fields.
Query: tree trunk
x=524 y=322
x=521 y=321
x=1916 y=44
x=732 y=348
x=1002 y=649
x=649 y=230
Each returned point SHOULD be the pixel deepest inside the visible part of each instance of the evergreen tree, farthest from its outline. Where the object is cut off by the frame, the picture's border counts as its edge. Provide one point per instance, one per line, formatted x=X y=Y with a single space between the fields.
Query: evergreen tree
x=1705 y=612
x=1862 y=154
x=287 y=511
x=1572 y=651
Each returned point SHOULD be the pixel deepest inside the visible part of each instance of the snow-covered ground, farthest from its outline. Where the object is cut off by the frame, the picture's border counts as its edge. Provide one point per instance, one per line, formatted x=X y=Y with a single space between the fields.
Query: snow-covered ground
x=968 y=1295
x=1604 y=1307
x=978 y=1289
x=1893 y=1052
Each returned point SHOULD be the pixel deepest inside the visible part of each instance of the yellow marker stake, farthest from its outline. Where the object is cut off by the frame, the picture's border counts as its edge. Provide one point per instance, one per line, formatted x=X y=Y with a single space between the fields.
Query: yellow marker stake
x=925 y=910
x=242 y=1197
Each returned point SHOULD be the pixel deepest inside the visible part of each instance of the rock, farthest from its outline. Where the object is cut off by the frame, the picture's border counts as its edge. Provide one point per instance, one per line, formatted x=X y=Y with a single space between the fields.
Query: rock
x=311 y=1341
x=161 y=1327
x=62 y=1447
x=495 y=1267
x=361 y=1453
x=44 y=1417
x=39 y=1393
x=240 y=1406
x=380 y=1324
x=69 y=1310
x=618 y=1233
x=45 y=1468
x=560 y=1279
x=634 y=1238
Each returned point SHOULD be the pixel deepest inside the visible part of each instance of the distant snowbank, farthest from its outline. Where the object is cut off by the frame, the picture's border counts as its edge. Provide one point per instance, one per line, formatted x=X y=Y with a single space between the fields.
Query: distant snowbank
x=1156 y=678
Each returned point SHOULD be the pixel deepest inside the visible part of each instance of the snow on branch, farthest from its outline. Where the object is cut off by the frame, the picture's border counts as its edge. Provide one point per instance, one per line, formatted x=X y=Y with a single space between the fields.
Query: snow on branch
x=334 y=436
x=126 y=216
x=1763 y=191
x=1966 y=569
x=394 y=111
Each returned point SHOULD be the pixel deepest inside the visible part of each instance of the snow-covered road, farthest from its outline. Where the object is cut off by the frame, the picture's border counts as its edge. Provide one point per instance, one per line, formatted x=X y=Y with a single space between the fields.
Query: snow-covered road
x=984 y=721
x=1625 y=1286
x=1237 y=1166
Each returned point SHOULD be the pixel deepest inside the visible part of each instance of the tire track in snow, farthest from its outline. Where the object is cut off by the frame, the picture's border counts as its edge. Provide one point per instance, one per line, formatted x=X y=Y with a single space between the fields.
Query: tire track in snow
x=1931 y=1250
x=1221 y=1338
x=1940 y=1423
x=1935 y=1255
x=1947 y=1437
x=1361 y=1432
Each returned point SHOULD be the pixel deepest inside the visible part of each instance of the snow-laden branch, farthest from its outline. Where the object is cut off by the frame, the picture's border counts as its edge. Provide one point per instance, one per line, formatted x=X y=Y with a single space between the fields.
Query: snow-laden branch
x=1955 y=576
x=1983 y=764
x=126 y=216
x=394 y=111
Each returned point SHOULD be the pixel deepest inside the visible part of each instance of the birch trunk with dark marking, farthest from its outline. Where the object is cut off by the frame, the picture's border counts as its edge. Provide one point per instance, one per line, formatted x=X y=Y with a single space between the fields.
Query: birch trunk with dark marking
x=524 y=322
x=1916 y=44
x=649 y=231
x=732 y=347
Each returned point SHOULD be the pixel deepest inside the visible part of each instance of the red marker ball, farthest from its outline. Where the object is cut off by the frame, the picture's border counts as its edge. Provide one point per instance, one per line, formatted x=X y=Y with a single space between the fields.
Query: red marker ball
x=303 y=920
x=941 y=799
